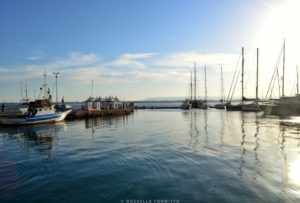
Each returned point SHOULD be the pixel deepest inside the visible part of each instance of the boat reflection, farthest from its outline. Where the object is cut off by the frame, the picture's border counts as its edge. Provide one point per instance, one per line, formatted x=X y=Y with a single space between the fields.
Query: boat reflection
x=100 y=122
x=38 y=137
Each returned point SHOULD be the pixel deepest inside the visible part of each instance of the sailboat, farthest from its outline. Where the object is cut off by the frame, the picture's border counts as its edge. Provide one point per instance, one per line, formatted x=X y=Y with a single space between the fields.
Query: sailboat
x=238 y=107
x=204 y=104
x=187 y=102
x=286 y=105
x=221 y=105
x=253 y=106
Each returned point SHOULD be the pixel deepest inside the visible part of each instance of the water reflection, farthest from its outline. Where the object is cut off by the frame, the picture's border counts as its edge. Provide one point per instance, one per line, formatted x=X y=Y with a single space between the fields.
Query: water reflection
x=102 y=122
x=41 y=138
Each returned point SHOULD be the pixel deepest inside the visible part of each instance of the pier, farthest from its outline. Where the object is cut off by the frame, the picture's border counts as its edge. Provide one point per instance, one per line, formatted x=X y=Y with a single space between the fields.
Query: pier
x=82 y=113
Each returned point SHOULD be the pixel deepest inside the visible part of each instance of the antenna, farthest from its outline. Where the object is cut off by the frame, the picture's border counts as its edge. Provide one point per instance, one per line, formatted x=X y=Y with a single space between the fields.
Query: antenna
x=56 y=73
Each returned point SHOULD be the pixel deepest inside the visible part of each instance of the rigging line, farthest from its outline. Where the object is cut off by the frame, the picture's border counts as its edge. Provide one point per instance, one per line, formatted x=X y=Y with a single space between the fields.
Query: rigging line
x=249 y=72
x=233 y=77
x=294 y=86
x=278 y=83
x=235 y=83
x=53 y=89
x=276 y=69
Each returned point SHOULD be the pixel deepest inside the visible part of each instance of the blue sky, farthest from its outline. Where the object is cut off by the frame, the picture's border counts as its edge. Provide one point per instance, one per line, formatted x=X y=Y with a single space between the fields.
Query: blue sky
x=132 y=49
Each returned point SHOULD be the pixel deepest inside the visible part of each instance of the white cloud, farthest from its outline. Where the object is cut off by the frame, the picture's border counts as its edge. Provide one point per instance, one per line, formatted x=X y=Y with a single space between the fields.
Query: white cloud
x=33 y=58
x=186 y=60
x=127 y=60
x=75 y=59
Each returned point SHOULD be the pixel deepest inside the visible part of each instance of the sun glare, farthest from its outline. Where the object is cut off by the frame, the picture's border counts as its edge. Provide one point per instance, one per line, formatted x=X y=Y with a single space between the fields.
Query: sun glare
x=281 y=20
x=294 y=174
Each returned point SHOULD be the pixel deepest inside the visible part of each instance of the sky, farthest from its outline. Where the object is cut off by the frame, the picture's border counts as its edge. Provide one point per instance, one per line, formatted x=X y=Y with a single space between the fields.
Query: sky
x=137 y=49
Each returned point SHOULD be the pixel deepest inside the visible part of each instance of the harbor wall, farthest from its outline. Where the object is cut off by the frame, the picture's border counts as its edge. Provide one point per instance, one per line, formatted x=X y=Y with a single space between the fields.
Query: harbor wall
x=82 y=113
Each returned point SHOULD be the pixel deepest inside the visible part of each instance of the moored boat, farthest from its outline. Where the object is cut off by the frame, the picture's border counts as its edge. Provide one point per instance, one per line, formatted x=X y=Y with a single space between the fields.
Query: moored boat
x=39 y=111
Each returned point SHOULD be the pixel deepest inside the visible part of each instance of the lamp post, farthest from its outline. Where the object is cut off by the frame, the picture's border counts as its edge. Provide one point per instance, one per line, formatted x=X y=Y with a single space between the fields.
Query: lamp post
x=56 y=73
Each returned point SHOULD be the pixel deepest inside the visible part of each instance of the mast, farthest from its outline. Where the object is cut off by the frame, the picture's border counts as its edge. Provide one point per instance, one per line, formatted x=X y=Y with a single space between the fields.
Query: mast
x=297 y=79
x=191 y=85
x=243 y=74
x=56 y=73
x=257 y=50
x=45 y=84
x=21 y=90
x=222 y=86
x=26 y=95
x=205 y=83
x=92 y=89
x=195 y=83
x=283 y=67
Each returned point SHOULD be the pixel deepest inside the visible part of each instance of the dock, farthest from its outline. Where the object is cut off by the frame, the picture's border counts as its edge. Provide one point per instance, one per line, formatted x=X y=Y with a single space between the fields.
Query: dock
x=83 y=113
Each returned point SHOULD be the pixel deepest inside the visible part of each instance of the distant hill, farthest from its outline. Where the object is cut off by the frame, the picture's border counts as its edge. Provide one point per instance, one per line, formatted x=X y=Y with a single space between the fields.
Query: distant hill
x=180 y=98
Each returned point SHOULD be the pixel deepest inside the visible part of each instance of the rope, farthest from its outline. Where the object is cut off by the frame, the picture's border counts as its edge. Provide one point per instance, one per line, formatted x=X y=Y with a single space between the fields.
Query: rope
x=233 y=78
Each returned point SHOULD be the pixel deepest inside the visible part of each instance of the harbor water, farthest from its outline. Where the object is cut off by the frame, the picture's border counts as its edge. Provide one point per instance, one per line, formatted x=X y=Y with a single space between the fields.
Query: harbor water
x=154 y=156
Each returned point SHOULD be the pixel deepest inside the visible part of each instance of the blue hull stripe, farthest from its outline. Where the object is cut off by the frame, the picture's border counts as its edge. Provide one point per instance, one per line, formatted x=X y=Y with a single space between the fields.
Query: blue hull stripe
x=44 y=115
x=42 y=119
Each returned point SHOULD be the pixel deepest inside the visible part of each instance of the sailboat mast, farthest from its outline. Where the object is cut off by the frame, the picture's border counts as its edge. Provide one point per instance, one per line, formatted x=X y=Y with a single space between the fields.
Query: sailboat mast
x=92 y=89
x=222 y=86
x=26 y=95
x=195 y=83
x=283 y=67
x=205 y=83
x=297 y=79
x=243 y=75
x=21 y=90
x=257 y=50
x=45 y=85
x=191 y=85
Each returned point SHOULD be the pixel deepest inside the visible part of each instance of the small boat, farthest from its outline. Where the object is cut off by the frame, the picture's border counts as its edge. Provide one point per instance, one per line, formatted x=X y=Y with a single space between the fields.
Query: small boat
x=39 y=111
x=232 y=107
x=36 y=112
x=185 y=105
x=220 y=106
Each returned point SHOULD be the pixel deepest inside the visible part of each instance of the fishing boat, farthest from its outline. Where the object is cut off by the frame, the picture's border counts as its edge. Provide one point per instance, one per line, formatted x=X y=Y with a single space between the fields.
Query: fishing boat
x=38 y=111
x=254 y=106
x=221 y=105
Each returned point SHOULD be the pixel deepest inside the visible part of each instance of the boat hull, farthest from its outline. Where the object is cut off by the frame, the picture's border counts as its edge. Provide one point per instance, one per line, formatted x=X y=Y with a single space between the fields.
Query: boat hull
x=251 y=107
x=49 y=118
x=220 y=106
x=231 y=107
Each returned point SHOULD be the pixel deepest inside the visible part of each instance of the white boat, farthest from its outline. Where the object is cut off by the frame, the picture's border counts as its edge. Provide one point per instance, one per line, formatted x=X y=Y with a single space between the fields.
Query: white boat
x=39 y=111
x=185 y=105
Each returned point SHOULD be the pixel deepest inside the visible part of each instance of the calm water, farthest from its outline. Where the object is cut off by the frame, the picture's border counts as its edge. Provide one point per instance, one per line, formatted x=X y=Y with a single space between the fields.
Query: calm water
x=171 y=155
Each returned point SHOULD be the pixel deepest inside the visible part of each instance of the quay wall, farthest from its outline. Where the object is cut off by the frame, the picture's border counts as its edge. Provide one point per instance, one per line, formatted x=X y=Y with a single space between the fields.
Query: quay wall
x=80 y=113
